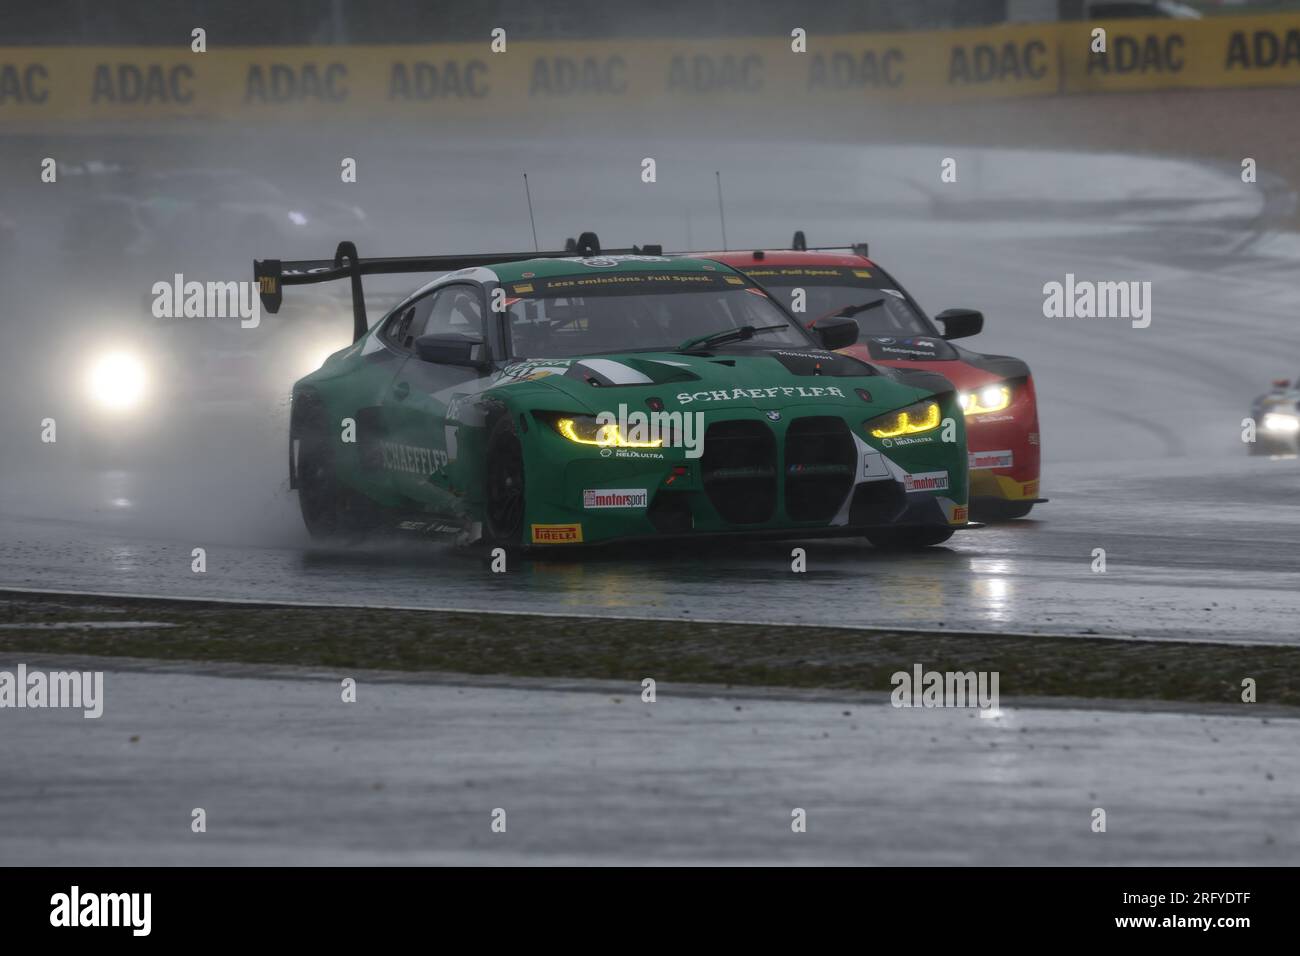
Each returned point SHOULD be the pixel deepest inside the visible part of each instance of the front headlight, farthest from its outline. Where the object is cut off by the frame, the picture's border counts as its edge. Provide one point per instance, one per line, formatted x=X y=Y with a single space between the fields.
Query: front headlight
x=1280 y=422
x=586 y=430
x=921 y=417
x=117 y=381
x=990 y=398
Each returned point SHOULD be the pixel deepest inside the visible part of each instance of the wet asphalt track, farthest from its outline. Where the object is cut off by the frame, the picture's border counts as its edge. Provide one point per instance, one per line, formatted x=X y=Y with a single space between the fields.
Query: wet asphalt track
x=1140 y=427
x=586 y=773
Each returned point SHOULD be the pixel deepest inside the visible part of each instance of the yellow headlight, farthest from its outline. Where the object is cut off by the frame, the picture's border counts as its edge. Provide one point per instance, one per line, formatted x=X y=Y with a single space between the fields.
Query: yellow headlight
x=990 y=398
x=588 y=431
x=921 y=417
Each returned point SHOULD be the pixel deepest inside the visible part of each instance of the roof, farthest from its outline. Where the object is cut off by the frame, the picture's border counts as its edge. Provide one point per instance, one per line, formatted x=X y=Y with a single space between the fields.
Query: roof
x=786 y=257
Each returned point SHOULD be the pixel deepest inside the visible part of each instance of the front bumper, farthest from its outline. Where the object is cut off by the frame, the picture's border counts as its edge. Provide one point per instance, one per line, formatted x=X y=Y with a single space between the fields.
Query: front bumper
x=808 y=474
x=1005 y=455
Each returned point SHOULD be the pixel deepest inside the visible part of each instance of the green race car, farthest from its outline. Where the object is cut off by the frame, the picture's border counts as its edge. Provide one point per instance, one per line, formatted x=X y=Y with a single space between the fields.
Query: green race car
x=566 y=399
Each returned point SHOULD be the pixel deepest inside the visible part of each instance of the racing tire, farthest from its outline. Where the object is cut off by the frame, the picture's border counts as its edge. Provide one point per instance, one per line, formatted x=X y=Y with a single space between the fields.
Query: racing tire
x=504 y=497
x=907 y=539
x=331 y=511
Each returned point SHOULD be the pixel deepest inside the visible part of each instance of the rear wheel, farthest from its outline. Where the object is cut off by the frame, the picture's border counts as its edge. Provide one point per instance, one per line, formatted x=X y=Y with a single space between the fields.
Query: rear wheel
x=330 y=510
x=504 y=499
x=906 y=539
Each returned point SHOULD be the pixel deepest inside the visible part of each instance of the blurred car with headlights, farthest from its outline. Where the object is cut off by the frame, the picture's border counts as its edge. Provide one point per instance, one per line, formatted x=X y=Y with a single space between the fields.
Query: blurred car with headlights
x=154 y=386
x=996 y=391
x=1277 y=420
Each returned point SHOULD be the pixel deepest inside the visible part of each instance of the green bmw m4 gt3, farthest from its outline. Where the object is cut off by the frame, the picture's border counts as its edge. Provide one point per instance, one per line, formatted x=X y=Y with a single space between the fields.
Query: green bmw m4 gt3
x=563 y=400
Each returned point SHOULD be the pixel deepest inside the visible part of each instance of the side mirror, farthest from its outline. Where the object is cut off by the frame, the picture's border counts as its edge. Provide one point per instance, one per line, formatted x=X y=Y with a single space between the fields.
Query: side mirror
x=961 y=323
x=836 y=332
x=451 y=349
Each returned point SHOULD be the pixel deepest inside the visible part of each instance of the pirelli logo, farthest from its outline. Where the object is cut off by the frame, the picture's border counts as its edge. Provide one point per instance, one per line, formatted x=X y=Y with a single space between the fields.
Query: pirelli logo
x=960 y=515
x=557 y=534
x=266 y=285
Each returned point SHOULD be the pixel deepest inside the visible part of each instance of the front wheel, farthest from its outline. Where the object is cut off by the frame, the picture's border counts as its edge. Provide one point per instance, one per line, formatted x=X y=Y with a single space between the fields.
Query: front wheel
x=504 y=498
x=906 y=539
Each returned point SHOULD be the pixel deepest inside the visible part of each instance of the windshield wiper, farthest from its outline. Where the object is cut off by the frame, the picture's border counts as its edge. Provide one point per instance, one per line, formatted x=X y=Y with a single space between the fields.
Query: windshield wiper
x=849 y=311
x=724 y=336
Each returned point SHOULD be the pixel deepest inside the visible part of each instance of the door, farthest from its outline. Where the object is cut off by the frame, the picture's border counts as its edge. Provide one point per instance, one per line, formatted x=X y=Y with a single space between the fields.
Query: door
x=421 y=447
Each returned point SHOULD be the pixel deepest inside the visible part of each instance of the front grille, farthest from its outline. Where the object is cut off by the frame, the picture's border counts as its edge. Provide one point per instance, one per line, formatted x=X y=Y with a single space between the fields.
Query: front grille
x=820 y=462
x=739 y=471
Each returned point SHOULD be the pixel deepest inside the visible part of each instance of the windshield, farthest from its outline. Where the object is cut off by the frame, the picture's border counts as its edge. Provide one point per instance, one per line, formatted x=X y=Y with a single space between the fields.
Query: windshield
x=567 y=316
x=861 y=294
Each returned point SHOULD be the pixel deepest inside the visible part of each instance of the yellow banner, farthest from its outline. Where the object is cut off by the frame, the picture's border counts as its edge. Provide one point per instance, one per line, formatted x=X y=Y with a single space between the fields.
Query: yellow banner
x=541 y=79
x=1217 y=52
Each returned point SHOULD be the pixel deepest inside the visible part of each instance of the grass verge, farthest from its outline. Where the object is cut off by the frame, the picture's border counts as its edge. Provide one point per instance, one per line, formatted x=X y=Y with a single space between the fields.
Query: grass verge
x=757 y=655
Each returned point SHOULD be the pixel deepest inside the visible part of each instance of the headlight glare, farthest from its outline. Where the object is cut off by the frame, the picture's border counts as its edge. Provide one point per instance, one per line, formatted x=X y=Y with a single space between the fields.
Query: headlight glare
x=921 y=417
x=117 y=381
x=989 y=398
x=587 y=430
x=1278 y=422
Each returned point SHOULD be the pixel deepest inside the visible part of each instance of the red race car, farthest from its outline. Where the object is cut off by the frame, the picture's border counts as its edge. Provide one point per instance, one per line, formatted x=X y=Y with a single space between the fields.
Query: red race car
x=997 y=391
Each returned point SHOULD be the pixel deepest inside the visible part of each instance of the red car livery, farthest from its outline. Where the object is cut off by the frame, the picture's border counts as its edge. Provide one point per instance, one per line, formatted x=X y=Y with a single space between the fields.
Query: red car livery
x=997 y=391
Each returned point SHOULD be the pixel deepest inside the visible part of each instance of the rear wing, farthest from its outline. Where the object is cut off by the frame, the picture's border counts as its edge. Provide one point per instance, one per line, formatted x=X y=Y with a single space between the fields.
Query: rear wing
x=273 y=275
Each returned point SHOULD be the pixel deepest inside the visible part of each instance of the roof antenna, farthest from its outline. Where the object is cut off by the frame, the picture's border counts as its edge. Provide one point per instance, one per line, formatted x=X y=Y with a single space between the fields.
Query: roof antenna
x=529 y=193
x=721 y=215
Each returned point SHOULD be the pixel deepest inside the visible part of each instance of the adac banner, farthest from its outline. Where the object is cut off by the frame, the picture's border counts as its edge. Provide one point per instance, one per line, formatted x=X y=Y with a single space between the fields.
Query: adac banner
x=82 y=84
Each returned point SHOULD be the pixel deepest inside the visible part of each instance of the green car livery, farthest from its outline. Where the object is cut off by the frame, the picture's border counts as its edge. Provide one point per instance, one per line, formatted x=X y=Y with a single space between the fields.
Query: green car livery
x=565 y=400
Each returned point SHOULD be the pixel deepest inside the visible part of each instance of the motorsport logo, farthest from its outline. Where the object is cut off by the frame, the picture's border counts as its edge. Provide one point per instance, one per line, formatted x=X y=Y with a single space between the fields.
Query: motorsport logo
x=926 y=481
x=991 y=459
x=35 y=689
x=735 y=394
x=658 y=429
x=614 y=498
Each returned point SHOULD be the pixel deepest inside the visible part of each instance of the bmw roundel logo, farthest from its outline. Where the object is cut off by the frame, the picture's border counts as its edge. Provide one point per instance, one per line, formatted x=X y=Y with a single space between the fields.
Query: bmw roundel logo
x=774 y=416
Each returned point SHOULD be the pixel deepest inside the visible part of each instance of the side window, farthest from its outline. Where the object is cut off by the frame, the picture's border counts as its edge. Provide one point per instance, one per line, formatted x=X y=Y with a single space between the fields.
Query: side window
x=456 y=308
x=402 y=328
